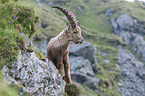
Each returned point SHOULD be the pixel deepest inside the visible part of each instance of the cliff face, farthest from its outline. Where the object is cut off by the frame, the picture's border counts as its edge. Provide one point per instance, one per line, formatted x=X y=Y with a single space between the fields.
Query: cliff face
x=132 y=60
x=34 y=76
x=131 y=33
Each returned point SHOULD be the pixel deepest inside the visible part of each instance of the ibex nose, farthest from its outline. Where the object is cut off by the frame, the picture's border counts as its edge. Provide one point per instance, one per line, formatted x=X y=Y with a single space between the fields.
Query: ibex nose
x=81 y=41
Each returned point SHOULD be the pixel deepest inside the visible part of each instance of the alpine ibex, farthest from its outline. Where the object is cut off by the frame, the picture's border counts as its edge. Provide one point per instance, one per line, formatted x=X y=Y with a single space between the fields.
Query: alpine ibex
x=57 y=48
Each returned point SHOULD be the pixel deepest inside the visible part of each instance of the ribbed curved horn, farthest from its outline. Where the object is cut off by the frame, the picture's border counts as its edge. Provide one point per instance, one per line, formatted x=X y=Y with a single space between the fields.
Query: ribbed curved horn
x=70 y=15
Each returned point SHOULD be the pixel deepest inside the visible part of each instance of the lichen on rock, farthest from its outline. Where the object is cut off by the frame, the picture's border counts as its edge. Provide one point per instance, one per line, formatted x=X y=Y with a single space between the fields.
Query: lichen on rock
x=36 y=77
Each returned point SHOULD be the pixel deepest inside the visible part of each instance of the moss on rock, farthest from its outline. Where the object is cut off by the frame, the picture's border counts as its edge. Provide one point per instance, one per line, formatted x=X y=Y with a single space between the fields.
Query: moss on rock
x=72 y=90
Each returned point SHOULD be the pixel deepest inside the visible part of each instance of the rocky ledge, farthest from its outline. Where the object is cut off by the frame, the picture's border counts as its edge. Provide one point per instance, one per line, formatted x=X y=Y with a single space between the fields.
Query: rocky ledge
x=34 y=76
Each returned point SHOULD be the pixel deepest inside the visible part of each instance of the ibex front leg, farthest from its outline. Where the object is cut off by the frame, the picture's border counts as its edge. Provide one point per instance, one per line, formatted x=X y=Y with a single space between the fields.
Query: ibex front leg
x=60 y=67
x=67 y=76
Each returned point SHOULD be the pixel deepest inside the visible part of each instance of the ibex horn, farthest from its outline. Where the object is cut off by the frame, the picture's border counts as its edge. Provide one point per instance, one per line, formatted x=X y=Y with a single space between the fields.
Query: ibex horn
x=70 y=15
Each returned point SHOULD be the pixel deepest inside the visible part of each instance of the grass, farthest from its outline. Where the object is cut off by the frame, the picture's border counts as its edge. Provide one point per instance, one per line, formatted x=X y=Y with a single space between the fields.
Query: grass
x=107 y=72
x=9 y=46
x=5 y=90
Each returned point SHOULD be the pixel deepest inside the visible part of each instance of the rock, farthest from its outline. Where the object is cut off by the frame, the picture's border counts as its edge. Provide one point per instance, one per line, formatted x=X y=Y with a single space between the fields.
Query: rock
x=133 y=70
x=87 y=51
x=83 y=63
x=36 y=77
x=113 y=23
x=79 y=64
x=133 y=73
x=106 y=61
x=125 y=21
x=141 y=73
x=86 y=80
x=108 y=13
x=131 y=33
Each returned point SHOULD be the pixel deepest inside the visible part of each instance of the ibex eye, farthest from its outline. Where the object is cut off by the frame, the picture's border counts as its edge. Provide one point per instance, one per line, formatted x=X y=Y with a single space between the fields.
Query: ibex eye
x=75 y=32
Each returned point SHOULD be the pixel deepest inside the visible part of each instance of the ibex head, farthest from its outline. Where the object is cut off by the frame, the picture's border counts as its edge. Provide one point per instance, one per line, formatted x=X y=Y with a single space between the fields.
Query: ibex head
x=74 y=31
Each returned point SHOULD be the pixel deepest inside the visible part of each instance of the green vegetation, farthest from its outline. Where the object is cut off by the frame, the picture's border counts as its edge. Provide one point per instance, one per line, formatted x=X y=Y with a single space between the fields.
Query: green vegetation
x=39 y=54
x=72 y=90
x=85 y=91
x=16 y=19
x=5 y=90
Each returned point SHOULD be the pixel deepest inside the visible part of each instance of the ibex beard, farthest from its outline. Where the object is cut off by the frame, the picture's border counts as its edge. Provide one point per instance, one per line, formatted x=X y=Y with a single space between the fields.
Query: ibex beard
x=57 y=48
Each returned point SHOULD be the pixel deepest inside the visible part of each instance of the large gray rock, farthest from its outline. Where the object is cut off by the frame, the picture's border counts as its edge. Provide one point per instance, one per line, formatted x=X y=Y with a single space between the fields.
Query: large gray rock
x=81 y=65
x=131 y=33
x=133 y=74
x=36 y=77
x=87 y=51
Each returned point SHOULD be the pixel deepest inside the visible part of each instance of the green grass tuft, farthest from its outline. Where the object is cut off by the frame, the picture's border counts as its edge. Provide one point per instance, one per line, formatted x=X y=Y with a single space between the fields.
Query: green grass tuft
x=72 y=90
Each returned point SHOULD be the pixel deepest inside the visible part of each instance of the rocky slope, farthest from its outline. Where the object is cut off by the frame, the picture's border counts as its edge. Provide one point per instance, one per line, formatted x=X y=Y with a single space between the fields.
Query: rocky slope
x=133 y=69
x=34 y=76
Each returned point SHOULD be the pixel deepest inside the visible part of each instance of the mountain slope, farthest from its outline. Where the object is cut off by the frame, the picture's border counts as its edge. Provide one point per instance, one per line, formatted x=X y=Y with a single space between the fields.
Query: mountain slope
x=95 y=19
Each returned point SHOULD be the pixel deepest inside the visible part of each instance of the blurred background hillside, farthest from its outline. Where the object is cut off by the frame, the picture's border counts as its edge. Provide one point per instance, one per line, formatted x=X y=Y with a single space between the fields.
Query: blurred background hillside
x=111 y=62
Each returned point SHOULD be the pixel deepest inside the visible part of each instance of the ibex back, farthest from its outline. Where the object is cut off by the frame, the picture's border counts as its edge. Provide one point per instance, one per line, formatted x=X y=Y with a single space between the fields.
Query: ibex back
x=57 y=48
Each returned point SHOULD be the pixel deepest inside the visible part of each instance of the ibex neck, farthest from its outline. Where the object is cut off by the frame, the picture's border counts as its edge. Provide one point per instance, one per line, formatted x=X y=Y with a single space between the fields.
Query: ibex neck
x=62 y=38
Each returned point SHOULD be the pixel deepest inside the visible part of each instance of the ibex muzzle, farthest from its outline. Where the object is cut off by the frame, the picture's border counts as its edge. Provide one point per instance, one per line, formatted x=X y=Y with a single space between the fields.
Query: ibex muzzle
x=57 y=48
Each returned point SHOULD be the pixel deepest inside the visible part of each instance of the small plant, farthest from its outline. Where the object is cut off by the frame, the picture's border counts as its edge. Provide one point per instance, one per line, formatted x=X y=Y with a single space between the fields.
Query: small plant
x=72 y=90
x=65 y=94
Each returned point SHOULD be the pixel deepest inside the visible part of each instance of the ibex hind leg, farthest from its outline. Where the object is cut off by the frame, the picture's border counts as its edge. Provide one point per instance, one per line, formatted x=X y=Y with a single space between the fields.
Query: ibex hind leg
x=67 y=76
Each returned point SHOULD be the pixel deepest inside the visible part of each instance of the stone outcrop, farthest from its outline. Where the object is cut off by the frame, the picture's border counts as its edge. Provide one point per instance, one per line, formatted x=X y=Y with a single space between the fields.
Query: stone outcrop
x=83 y=64
x=131 y=33
x=133 y=70
x=35 y=76
x=133 y=74
x=86 y=80
x=86 y=51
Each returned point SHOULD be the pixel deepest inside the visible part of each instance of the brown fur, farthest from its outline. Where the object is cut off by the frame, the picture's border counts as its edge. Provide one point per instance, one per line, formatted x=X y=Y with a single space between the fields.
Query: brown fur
x=57 y=50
